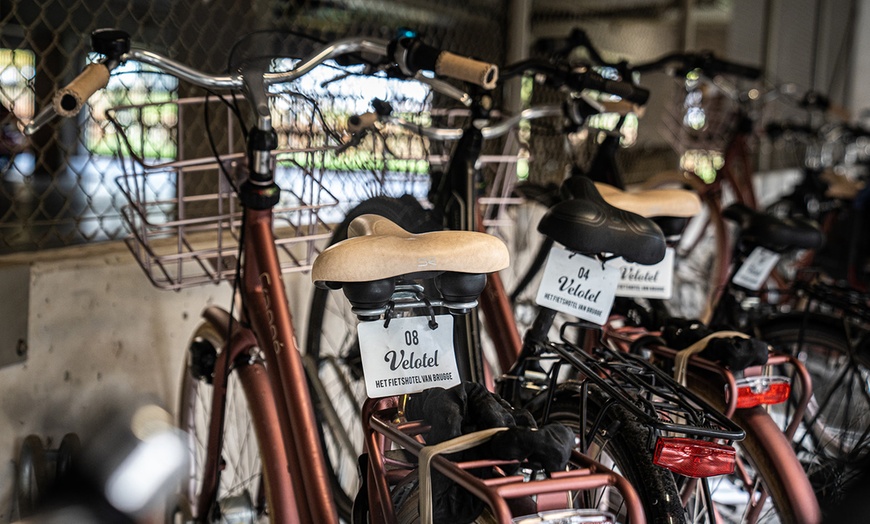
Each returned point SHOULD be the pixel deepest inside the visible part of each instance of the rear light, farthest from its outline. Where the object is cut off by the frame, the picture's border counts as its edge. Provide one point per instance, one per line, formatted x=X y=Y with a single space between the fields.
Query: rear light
x=567 y=516
x=694 y=458
x=754 y=391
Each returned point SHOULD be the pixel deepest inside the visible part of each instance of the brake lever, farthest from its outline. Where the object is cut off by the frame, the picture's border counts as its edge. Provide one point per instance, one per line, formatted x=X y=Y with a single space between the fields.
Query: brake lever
x=445 y=89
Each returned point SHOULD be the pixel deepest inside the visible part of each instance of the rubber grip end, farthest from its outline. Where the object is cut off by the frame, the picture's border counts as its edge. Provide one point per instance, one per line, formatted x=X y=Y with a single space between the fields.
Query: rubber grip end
x=68 y=101
x=357 y=123
x=467 y=69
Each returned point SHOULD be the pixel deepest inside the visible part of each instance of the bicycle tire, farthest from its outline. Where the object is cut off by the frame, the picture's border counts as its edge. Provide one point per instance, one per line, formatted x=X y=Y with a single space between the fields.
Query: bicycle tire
x=789 y=493
x=699 y=269
x=623 y=447
x=241 y=479
x=839 y=410
x=332 y=355
x=33 y=477
x=528 y=250
x=701 y=257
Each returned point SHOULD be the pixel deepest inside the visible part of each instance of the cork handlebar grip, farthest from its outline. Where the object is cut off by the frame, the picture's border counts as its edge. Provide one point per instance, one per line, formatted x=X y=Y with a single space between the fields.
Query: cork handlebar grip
x=467 y=69
x=68 y=101
x=357 y=123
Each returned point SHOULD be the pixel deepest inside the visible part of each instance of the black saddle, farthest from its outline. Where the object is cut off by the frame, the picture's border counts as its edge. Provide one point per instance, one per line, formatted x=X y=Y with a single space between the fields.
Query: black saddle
x=777 y=234
x=587 y=224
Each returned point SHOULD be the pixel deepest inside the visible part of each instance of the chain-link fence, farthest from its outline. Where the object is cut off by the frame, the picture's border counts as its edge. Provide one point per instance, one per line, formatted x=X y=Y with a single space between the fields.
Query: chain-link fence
x=57 y=187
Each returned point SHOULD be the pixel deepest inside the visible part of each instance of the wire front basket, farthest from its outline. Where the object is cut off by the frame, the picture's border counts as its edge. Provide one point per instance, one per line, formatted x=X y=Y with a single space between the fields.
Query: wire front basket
x=184 y=216
x=699 y=116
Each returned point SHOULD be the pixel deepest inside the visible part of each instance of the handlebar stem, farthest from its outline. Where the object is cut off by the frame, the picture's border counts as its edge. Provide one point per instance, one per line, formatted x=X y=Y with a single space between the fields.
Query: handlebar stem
x=255 y=91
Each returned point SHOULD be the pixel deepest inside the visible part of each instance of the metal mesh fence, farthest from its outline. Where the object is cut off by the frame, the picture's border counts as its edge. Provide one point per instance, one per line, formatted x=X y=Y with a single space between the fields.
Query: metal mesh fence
x=57 y=187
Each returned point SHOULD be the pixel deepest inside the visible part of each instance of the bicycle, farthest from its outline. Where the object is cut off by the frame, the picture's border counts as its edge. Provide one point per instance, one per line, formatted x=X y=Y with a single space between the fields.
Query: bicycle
x=807 y=317
x=822 y=427
x=284 y=427
x=823 y=326
x=774 y=470
x=759 y=434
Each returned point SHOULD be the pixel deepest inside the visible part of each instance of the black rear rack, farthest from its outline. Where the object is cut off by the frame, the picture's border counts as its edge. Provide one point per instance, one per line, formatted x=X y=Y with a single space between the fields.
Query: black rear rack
x=629 y=380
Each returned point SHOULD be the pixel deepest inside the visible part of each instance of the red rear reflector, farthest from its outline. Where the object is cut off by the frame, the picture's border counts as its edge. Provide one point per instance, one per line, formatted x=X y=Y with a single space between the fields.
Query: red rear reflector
x=694 y=458
x=754 y=391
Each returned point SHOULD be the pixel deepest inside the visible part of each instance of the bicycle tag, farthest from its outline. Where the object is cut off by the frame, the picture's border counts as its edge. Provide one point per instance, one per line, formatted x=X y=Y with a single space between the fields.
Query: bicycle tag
x=408 y=356
x=578 y=285
x=756 y=268
x=639 y=281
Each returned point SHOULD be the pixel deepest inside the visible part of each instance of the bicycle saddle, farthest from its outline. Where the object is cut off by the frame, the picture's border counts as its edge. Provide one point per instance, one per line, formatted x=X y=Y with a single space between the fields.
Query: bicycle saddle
x=776 y=234
x=840 y=187
x=586 y=223
x=378 y=249
x=670 y=209
x=651 y=203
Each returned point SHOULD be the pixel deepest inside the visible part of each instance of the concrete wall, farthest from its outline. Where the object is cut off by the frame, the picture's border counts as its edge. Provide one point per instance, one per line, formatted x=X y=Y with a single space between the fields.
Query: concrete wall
x=98 y=334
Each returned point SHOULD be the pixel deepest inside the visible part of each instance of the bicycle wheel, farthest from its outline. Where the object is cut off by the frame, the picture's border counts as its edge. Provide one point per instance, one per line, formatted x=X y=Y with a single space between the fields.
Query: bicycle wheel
x=622 y=444
x=528 y=250
x=768 y=485
x=700 y=265
x=702 y=256
x=333 y=357
x=241 y=491
x=834 y=435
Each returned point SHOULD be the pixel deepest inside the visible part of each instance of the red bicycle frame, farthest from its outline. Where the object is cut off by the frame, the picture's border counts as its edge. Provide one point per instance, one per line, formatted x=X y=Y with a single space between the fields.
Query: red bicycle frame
x=277 y=392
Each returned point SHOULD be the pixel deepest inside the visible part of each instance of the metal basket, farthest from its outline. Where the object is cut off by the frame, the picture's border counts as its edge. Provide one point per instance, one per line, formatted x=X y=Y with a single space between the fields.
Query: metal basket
x=699 y=116
x=188 y=240
x=185 y=219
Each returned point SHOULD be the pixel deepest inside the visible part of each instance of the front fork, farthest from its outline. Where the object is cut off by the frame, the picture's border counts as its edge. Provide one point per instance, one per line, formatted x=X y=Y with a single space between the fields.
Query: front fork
x=237 y=357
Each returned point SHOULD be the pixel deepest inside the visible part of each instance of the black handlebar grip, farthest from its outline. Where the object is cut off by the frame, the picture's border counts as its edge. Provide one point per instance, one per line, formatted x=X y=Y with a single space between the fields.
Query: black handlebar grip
x=625 y=90
x=777 y=129
x=717 y=65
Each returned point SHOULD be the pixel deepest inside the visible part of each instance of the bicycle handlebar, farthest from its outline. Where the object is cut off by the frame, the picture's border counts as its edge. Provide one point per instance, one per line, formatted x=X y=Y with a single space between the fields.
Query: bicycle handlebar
x=410 y=54
x=579 y=79
x=357 y=123
x=706 y=61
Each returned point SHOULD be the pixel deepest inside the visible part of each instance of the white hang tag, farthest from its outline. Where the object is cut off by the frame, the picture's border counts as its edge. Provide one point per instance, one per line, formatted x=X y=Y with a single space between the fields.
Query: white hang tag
x=578 y=285
x=639 y=281
x=756 y=268
x=408 y=356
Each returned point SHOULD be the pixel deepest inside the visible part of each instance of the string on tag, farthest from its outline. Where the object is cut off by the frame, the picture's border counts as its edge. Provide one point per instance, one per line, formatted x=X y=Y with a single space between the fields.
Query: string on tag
x=388 y=314
x=433 y=324
x=605 y=259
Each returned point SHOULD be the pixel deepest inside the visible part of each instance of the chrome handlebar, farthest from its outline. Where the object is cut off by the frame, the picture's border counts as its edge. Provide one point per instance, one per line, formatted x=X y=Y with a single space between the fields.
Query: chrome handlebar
x=243 y=81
